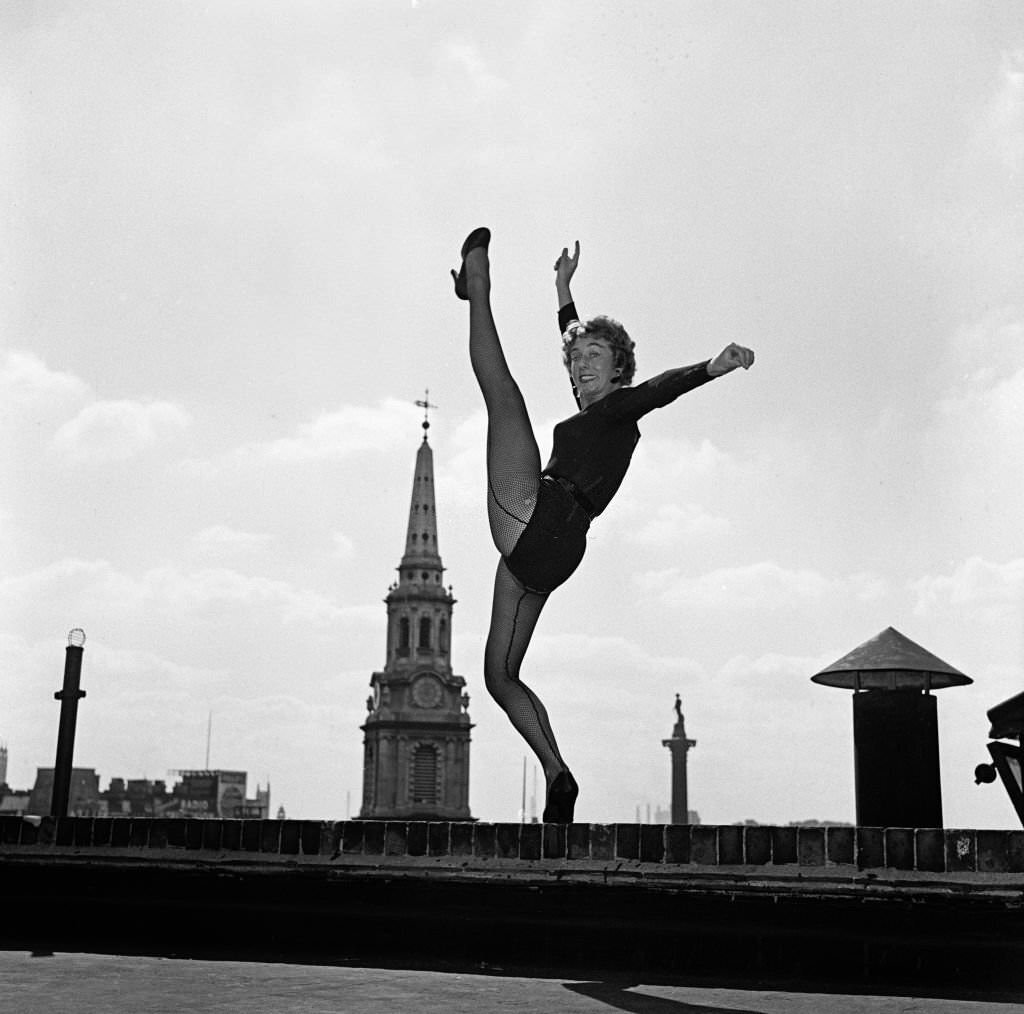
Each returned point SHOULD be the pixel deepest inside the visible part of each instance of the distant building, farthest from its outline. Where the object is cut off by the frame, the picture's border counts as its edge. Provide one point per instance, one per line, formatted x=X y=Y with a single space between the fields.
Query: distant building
x=204 y=793
x=14 y=804
x=200 y=793
x=416 y=735
x=663 y=815
x=796 y=823
x=136 y=797
x=83 y=798
x=820 y=823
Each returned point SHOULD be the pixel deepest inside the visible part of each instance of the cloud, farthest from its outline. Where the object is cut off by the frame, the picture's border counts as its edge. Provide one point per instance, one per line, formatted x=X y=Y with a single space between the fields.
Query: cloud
x=471 y=67
x=981 y=603
x=674 y=524
x=213 y=586
x=222 y=540
x=672 y=462
x=25 y=380
x=351 y=429
x=98 y=587
x=102 y=430
x=147 y=675
x=868 y=587
x=11 y=532
x=1005 y=121
x=992 y=393
x=976 y=438
x=574 y=651
x=988 y=400
x=118 y=430
x=344 y=547
x=662 y=472
x=462 y=470
x=61 y=573
x=327 y=124
x=785 y=676
x=764 y=585
x=976 y=582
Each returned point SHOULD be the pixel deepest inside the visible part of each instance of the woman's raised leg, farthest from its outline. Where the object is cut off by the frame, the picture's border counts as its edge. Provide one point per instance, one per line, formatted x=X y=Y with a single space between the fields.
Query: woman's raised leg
x=513 y=460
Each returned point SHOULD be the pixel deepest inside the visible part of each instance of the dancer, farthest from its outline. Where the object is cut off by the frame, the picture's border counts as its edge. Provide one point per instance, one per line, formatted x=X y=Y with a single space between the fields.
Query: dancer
x=539 y=517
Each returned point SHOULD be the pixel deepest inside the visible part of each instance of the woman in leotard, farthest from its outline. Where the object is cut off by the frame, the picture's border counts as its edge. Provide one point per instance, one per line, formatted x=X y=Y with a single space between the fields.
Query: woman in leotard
x=539 y=517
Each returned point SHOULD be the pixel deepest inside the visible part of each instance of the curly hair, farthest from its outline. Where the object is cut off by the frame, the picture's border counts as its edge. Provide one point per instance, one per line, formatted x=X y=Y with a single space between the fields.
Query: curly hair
x=605 y=329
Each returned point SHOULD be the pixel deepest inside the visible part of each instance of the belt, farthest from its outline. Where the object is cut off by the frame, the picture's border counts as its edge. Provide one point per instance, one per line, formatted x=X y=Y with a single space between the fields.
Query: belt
x=574 y=491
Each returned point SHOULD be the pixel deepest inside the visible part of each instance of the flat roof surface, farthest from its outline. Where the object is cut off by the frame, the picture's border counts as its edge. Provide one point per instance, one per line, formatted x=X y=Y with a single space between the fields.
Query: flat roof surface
x=101 y=983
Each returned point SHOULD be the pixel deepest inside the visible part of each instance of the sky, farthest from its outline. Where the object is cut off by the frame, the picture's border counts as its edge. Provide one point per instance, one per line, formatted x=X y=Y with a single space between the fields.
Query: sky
x=227 y=235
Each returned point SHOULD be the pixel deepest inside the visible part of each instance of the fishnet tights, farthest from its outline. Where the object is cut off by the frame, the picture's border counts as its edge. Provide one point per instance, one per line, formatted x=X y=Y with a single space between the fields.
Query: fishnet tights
x=513 y=619
x=510 y=502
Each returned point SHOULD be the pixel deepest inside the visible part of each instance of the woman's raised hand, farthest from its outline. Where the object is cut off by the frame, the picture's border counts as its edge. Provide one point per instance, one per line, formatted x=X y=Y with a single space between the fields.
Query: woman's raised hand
x=565 y=266
x=729 y=359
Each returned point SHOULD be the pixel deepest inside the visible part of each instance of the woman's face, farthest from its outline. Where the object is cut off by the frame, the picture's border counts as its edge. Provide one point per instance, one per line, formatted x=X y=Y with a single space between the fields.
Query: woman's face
x=592 y=366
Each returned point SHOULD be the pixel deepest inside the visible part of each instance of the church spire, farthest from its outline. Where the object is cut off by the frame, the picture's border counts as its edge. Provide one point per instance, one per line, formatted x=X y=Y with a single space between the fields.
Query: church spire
x=421 y=534
x=426 y=406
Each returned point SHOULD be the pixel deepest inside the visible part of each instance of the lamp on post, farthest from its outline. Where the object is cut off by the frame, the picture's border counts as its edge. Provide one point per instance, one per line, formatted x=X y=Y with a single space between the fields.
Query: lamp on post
x=69 y=696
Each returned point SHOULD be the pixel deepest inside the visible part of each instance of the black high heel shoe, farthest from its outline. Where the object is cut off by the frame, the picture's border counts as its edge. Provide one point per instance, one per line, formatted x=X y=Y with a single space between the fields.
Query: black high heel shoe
x=478 y=237
x=561 y=800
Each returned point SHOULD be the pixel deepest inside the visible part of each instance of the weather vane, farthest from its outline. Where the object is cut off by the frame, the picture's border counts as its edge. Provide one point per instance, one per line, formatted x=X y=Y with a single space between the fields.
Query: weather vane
x=426 y=406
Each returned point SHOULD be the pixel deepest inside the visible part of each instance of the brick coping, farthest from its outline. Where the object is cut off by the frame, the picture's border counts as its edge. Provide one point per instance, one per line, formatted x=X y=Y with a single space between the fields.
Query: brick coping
x=695 y=849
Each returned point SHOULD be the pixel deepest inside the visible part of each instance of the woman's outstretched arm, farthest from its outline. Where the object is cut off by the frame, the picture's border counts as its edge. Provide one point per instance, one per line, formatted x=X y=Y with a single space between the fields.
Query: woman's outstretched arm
x=663 y=389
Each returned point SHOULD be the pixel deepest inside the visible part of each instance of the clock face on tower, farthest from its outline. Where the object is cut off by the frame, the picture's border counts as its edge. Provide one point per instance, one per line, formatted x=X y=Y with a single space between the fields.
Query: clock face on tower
x=426 y=692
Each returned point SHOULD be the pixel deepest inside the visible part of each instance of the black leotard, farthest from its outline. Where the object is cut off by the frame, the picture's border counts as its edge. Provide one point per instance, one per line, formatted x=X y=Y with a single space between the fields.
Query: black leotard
x=593 y=448
x=589 y=459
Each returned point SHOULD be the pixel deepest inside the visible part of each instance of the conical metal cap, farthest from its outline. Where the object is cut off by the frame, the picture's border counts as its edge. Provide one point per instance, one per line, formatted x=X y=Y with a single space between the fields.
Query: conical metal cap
x=890 y=661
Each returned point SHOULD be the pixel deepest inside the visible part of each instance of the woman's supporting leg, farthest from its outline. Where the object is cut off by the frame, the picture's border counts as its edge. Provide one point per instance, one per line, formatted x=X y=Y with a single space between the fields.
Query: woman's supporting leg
x=514 y=616
x=513 y=460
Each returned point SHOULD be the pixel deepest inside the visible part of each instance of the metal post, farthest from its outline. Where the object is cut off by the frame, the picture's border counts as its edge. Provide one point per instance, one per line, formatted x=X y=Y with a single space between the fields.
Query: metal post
x=522 y=812
x=69 y=696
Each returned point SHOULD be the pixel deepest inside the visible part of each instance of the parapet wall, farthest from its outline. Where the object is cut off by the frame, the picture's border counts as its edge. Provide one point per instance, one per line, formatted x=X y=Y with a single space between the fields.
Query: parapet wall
x=819 y=903
x=681 y=849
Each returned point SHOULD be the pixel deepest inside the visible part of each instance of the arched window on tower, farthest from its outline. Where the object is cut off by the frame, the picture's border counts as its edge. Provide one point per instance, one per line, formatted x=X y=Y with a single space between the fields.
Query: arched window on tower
x=403 y=636
x=443 y=635
x=424 y=774
x=425 y=633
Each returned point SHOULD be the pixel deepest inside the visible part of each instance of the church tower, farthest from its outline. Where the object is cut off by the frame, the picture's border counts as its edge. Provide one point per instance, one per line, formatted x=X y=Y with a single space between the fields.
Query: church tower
x=416 y=736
